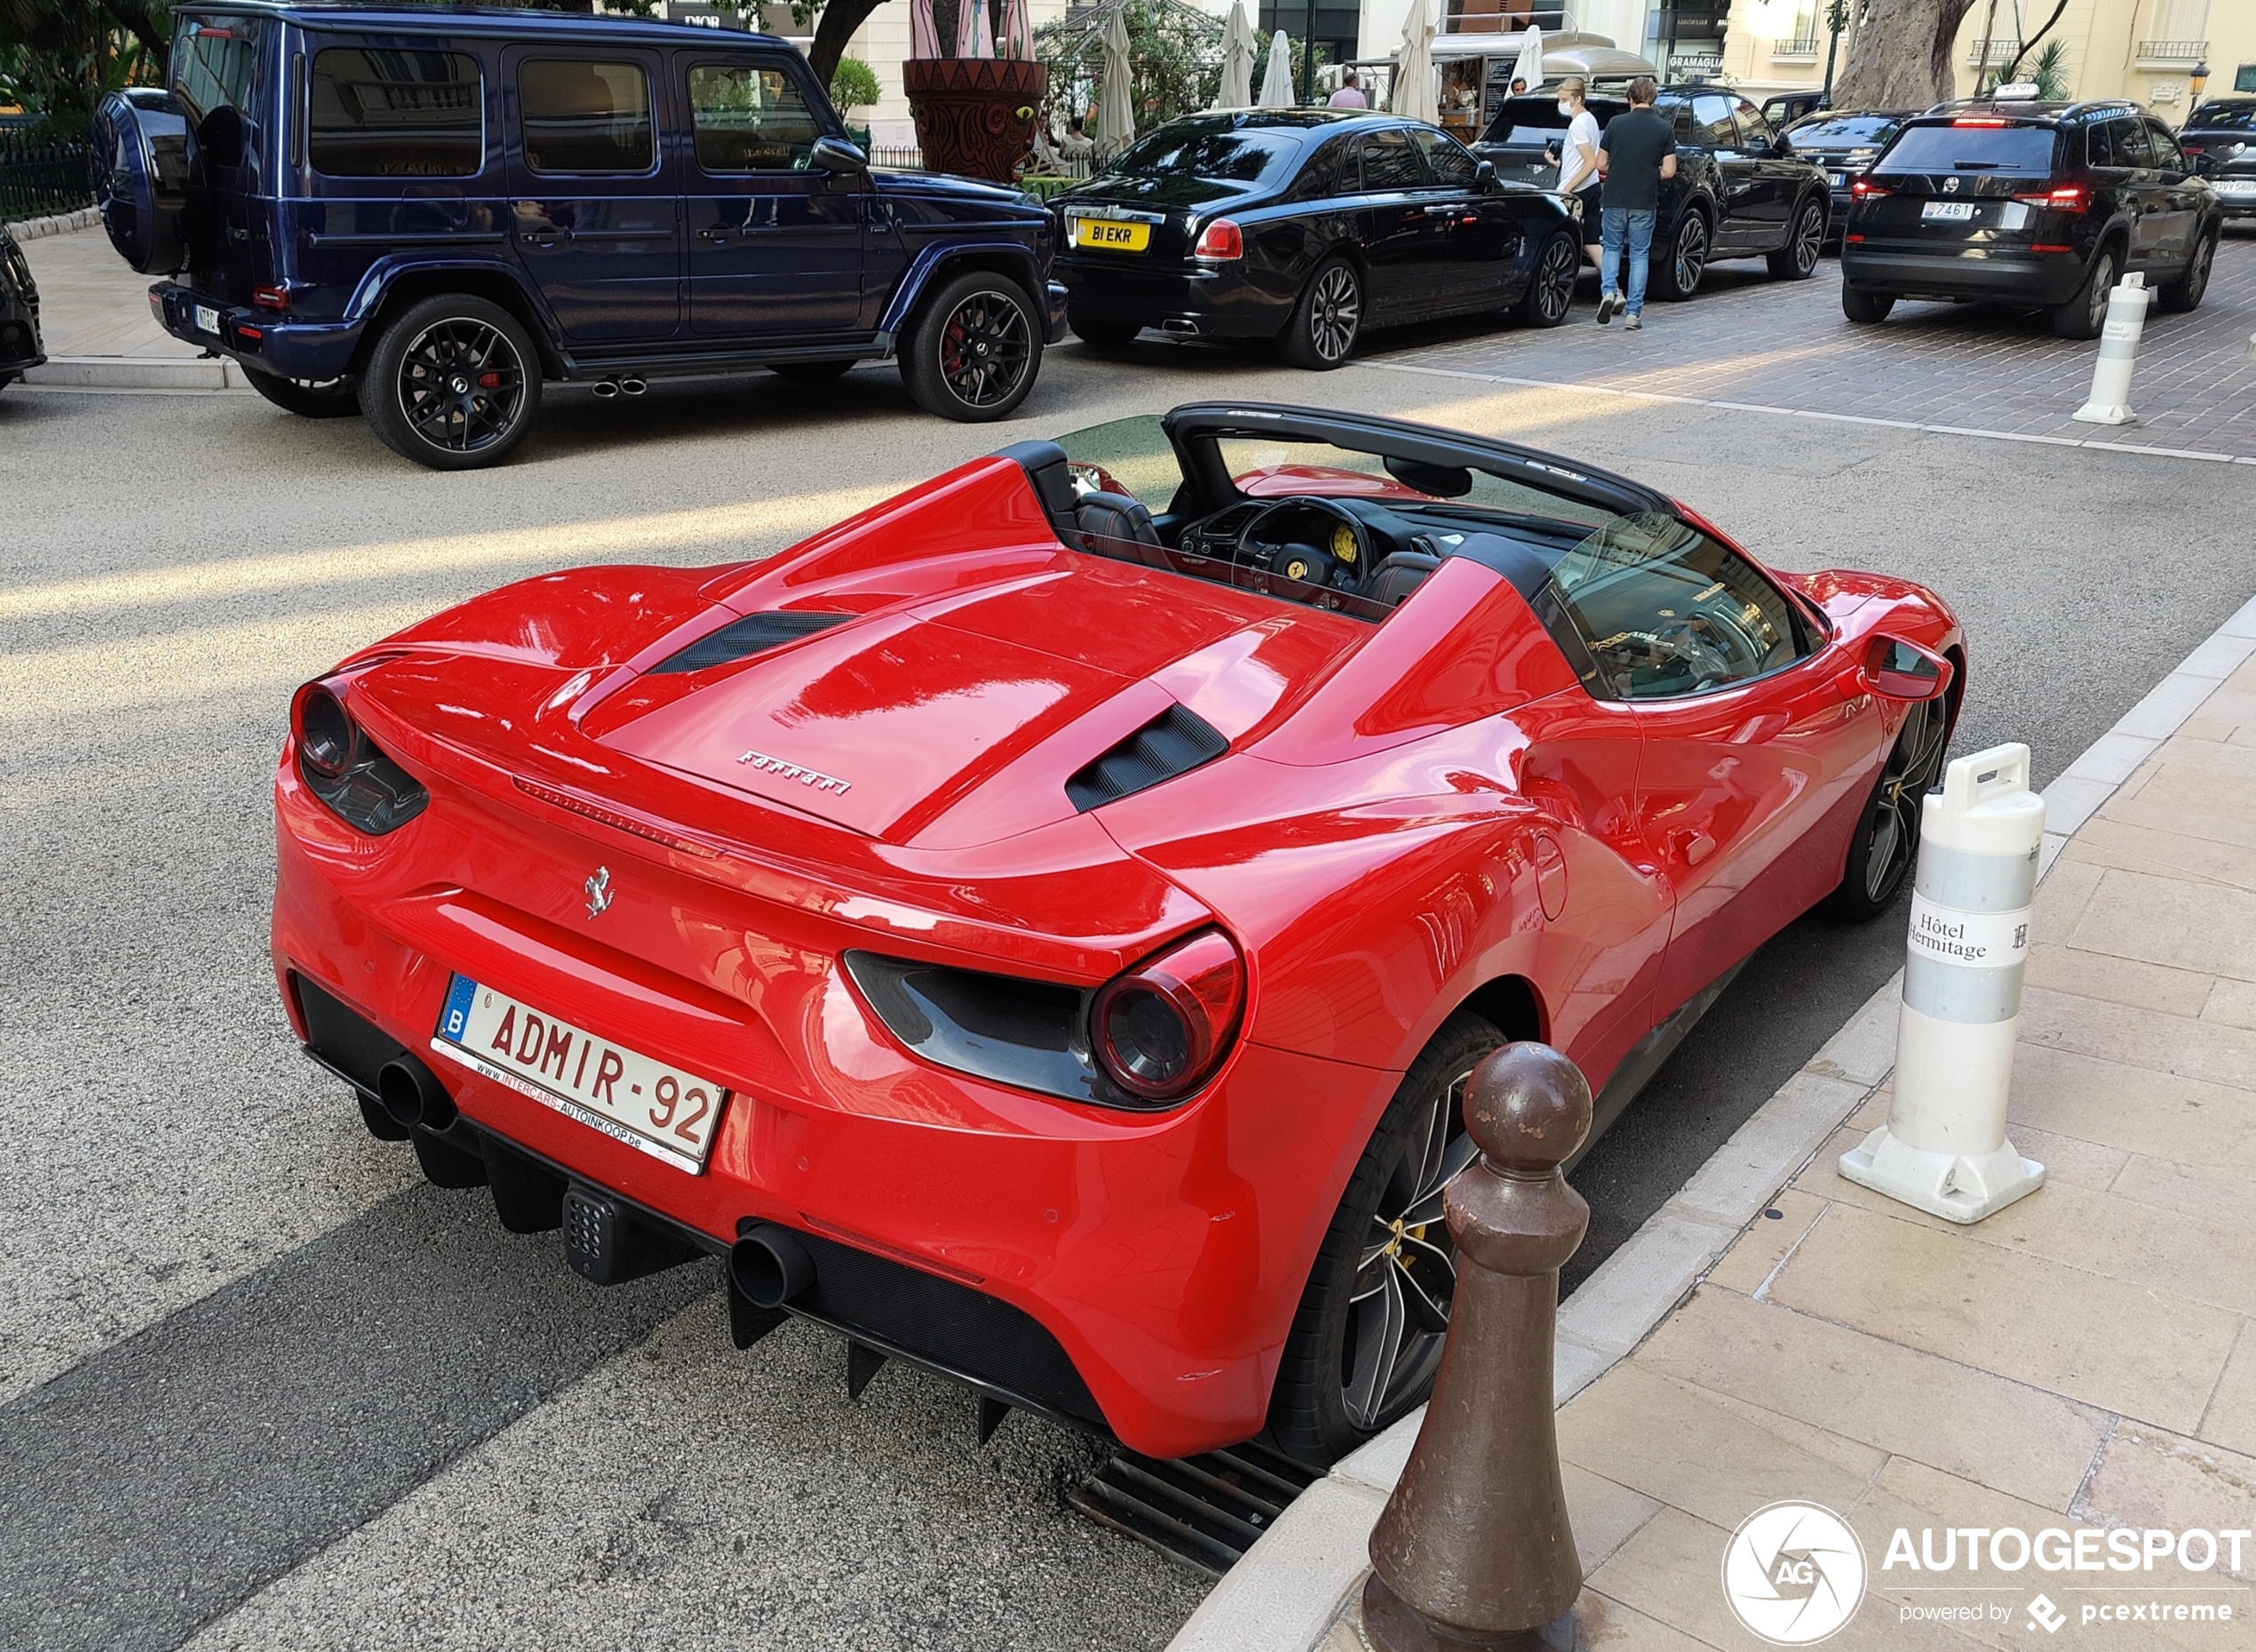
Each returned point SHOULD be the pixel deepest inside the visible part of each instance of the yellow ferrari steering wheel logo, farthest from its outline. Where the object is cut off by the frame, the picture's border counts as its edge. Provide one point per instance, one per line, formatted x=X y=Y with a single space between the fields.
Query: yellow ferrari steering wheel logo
x=1343 y=542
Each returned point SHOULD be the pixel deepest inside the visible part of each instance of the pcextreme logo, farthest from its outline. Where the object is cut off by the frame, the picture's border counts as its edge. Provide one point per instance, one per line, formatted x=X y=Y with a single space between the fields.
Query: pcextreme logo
x=1793 y=1573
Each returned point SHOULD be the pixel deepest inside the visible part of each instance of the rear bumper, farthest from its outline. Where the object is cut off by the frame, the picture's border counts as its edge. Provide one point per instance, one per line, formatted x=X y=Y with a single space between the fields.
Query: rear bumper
x=262 y=341
x=1053 y=298
x=1221 y=301
x=2010 y=276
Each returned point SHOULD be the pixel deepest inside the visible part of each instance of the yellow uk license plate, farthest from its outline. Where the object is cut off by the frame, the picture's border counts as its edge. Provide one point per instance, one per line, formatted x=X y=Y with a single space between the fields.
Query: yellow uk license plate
x=1114 y=236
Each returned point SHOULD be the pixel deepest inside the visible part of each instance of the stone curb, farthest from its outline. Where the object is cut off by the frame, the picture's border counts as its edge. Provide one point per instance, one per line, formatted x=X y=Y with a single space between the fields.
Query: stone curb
x=61 y=224
x=126 y=372
x=1293 y=1585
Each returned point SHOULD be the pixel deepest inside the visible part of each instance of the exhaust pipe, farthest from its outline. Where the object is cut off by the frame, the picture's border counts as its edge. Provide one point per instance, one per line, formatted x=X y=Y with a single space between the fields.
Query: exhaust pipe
x=1181 y=325
x=632 y=387
x=605 y=388
x=769 y=1267
x=412 y=1094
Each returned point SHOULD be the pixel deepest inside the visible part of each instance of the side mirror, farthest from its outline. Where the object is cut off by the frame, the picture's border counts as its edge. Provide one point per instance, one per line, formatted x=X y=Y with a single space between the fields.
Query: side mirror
x=1897 y=670
x=836 y=154
x=1484 y=176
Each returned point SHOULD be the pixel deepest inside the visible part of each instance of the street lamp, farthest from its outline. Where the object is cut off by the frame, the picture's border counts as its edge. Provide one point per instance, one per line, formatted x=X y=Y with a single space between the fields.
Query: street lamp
x=1835 y=15
x=2195 y=83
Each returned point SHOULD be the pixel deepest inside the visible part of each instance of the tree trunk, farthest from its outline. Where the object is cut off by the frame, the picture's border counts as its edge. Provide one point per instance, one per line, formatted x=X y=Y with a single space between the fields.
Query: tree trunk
x=1901 y=57
x=840 y=19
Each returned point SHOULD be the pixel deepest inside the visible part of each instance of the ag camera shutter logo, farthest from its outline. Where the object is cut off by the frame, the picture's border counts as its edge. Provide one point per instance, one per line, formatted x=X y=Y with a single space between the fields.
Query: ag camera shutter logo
x=1793 y=1573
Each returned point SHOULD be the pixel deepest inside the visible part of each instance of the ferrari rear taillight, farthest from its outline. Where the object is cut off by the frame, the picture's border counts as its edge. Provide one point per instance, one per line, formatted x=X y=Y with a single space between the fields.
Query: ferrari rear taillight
x=342 y=767
x=1161 y=1029
x=1221 y=239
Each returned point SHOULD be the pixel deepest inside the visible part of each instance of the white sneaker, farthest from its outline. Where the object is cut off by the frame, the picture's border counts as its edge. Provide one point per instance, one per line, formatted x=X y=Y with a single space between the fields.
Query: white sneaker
x=1607 y=307
x=1636 y=323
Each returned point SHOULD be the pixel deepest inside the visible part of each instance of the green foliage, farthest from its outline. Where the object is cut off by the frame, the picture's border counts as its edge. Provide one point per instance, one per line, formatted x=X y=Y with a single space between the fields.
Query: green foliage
x=2048 y=70
x=59 y=57
x=853 y=86
x=1174 y=59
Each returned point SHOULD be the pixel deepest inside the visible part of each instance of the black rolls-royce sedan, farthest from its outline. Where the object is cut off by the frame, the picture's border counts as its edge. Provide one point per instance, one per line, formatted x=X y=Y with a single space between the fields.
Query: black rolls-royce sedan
x=1306 y=227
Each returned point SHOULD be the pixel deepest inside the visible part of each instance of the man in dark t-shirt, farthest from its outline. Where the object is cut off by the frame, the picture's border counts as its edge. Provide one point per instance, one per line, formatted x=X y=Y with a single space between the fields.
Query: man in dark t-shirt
x=1639 y=150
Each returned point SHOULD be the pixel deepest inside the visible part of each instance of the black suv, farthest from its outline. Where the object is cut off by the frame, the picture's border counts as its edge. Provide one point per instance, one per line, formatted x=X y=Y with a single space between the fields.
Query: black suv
x=2220 y=143
x=1740 y=191
x=420 y=215
x=19 y=313
x=1844 y=142
x=2044 y=205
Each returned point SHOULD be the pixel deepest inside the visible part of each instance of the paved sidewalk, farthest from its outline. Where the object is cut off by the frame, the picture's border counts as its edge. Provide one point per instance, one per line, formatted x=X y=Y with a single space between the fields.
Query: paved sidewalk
x=95 y=322
x=2085 y=1358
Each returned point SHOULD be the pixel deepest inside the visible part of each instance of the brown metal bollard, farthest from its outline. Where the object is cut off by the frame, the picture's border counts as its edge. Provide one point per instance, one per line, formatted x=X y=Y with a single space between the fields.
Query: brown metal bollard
x=1473 y=1549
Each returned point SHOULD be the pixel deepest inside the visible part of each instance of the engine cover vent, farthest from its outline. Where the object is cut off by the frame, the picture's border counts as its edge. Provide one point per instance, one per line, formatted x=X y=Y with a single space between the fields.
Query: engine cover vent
x=752 y=634
x=1173 y=743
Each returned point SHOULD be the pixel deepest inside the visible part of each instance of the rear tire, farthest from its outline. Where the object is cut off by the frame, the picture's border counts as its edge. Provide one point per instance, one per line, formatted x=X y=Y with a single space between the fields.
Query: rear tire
x=2083 y=316
x=1353 y=1363
x=1885 y=844
x=1865 y=308
x=1327 y=321
x=974 y=349
x=453 y=383
x=1550 y=296
x=1101 y=335
x=821 y=372
x=2185 y=293
x=1677 y=273
x=1796 y=260
x=335 y=398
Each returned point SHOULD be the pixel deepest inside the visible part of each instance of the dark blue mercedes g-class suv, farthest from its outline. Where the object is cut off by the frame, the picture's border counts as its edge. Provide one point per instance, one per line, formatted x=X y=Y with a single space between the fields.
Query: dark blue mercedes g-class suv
x=421 y=214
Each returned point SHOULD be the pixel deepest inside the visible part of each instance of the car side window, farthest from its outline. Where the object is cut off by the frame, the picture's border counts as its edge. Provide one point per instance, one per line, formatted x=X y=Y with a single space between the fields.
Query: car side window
x=396 y=114
x=1757 y=135
x=1680 y=115
x=1450 y=161
x=2164 y=142
x=1664 y=610
x=750 y=117
x=1319 y=174
x=2131 y=143
x=1713 y=125
x=583 y=116
x=1389 y=163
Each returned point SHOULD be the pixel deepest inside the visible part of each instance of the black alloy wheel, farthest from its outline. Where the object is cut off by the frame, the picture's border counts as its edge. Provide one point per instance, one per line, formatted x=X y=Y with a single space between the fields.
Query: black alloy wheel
x=2185 y=293
x=453 y=383
x=1886 y=842
x=2083 y=315
x=1367 y=1339
x=1551 y=290
x=1796 y=260
x=1677 y=273
x=973 y=349
x=329 y=398
x=1325 y=324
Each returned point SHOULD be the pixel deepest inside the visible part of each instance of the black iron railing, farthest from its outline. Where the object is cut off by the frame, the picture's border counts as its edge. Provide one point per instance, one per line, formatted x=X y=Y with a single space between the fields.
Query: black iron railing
x=40 y=178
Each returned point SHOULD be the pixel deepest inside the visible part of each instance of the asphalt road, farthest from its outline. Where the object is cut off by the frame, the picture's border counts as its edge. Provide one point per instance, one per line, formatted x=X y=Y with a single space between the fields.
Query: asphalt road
x=261 y=1387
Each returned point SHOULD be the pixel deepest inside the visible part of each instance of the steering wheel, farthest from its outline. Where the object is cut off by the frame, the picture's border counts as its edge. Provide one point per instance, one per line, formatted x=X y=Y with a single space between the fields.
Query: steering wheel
x=1309 y=539
x=1708 y=646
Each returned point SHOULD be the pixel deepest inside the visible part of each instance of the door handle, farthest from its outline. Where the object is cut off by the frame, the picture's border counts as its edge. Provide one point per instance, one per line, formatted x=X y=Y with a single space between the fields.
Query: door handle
x=1439 y=212
x=1691 y=847
x=543 y=237
x=714 y=234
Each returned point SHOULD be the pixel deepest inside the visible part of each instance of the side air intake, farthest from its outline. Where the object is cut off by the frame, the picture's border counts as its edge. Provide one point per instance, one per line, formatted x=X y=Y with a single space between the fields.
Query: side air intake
x=746 y=637
x=1173 y=743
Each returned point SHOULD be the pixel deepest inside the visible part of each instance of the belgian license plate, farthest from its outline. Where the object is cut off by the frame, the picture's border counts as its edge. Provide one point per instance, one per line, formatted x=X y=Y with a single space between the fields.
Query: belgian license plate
x=207 y=318
x=655 y=1108
x=1114 y=236
x=1947 y=212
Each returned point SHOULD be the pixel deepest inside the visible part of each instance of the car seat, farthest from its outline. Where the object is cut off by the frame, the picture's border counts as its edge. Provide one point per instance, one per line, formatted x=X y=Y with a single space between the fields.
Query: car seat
x=1122 y=520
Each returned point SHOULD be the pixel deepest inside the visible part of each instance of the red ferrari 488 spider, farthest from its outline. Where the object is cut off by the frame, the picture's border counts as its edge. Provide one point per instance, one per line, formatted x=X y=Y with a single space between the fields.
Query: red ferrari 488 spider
x=1042 y=926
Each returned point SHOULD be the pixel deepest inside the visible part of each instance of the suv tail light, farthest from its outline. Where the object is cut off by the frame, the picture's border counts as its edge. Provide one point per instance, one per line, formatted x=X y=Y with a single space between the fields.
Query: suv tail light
x=270 y=297
x=342 y=767
x=2066 y=198
x=1161 y=1029
x=1865 y=189
x=1219 y=240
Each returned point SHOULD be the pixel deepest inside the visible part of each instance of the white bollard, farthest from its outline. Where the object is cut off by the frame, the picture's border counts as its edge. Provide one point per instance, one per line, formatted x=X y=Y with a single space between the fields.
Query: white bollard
x=1943 y=1149
x=2126 y=319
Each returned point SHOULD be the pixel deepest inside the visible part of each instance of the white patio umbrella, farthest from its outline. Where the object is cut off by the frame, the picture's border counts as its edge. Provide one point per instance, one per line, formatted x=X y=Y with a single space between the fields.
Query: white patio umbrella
x=1528 y=65
x=1412 y=96
x=1276 y=85
x=1239 y=48
x=1116 y=99
x=974 y=35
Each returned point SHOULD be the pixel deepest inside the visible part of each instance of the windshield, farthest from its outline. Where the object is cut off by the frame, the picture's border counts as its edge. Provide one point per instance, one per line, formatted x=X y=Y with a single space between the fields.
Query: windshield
x=2025 y=151
x=1834 y=129
x=1243 y=157
x=2223 y=117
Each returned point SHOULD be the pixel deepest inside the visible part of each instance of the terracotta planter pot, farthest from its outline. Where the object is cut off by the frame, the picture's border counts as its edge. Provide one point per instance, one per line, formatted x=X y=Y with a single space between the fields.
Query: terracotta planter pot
x=975 y=116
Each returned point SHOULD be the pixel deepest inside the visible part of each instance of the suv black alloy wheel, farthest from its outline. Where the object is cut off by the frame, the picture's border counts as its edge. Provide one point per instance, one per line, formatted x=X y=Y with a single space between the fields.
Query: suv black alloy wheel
x=1796 y=260
x=453 y=382
x=973 y=349
x=1551 y=290
x=2083 y=315
x=2185 y=293
x=1686 y=259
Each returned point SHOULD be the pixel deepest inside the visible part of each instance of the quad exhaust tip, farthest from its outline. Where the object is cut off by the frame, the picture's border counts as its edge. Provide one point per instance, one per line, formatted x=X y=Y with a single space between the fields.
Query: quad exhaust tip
x=411 y=1094
x=769 y=1267
x=607 y=388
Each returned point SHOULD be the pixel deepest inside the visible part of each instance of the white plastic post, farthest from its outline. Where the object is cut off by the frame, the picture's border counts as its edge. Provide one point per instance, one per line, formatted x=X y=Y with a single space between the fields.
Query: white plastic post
x=1943 y=1149
x=2126 y=319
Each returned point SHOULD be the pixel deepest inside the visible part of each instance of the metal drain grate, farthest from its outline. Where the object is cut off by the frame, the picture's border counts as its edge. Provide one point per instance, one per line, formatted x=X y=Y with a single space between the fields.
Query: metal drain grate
x=1205 y=1511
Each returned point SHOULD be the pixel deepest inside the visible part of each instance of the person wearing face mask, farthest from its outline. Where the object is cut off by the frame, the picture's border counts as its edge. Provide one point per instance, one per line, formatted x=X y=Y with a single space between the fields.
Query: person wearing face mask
x=1577 y=157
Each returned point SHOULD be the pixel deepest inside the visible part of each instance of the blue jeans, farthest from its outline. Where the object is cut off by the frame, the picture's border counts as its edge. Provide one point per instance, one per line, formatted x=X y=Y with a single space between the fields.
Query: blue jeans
x=1634 y=225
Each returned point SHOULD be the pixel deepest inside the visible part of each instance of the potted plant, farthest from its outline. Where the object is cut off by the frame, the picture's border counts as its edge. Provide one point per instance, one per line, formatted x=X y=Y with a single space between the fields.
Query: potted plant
x=975 y=107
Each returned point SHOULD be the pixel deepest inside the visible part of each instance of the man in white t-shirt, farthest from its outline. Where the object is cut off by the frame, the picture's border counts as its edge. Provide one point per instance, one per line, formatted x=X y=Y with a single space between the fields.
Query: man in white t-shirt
x=1577 y=157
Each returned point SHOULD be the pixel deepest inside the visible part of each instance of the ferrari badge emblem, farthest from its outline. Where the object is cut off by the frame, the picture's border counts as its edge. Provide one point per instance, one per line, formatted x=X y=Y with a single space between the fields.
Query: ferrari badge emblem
x=598 y=892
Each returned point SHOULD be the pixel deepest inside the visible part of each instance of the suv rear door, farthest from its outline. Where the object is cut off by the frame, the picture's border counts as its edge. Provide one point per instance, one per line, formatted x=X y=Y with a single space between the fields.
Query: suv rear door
x=775 y=250
x=594 y=220
x=222 y=72
x=2175 y=212
x=1777 y=180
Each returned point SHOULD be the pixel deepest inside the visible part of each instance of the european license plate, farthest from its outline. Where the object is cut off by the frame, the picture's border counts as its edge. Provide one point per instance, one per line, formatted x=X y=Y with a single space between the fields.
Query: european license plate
x=655 y=1108
x=2236 y=187
x=1947 y=212
x=207 y=318
x=1840 y=180
x=1114 y=236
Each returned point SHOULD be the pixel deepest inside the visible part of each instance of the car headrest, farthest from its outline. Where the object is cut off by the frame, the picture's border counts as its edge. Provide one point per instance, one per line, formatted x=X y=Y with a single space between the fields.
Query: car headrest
x=1115 y=516
x=1399 y=574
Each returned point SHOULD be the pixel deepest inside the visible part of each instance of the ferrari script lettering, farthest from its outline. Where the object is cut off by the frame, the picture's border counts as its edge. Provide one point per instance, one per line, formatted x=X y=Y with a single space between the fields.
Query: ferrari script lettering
x=777 y=767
